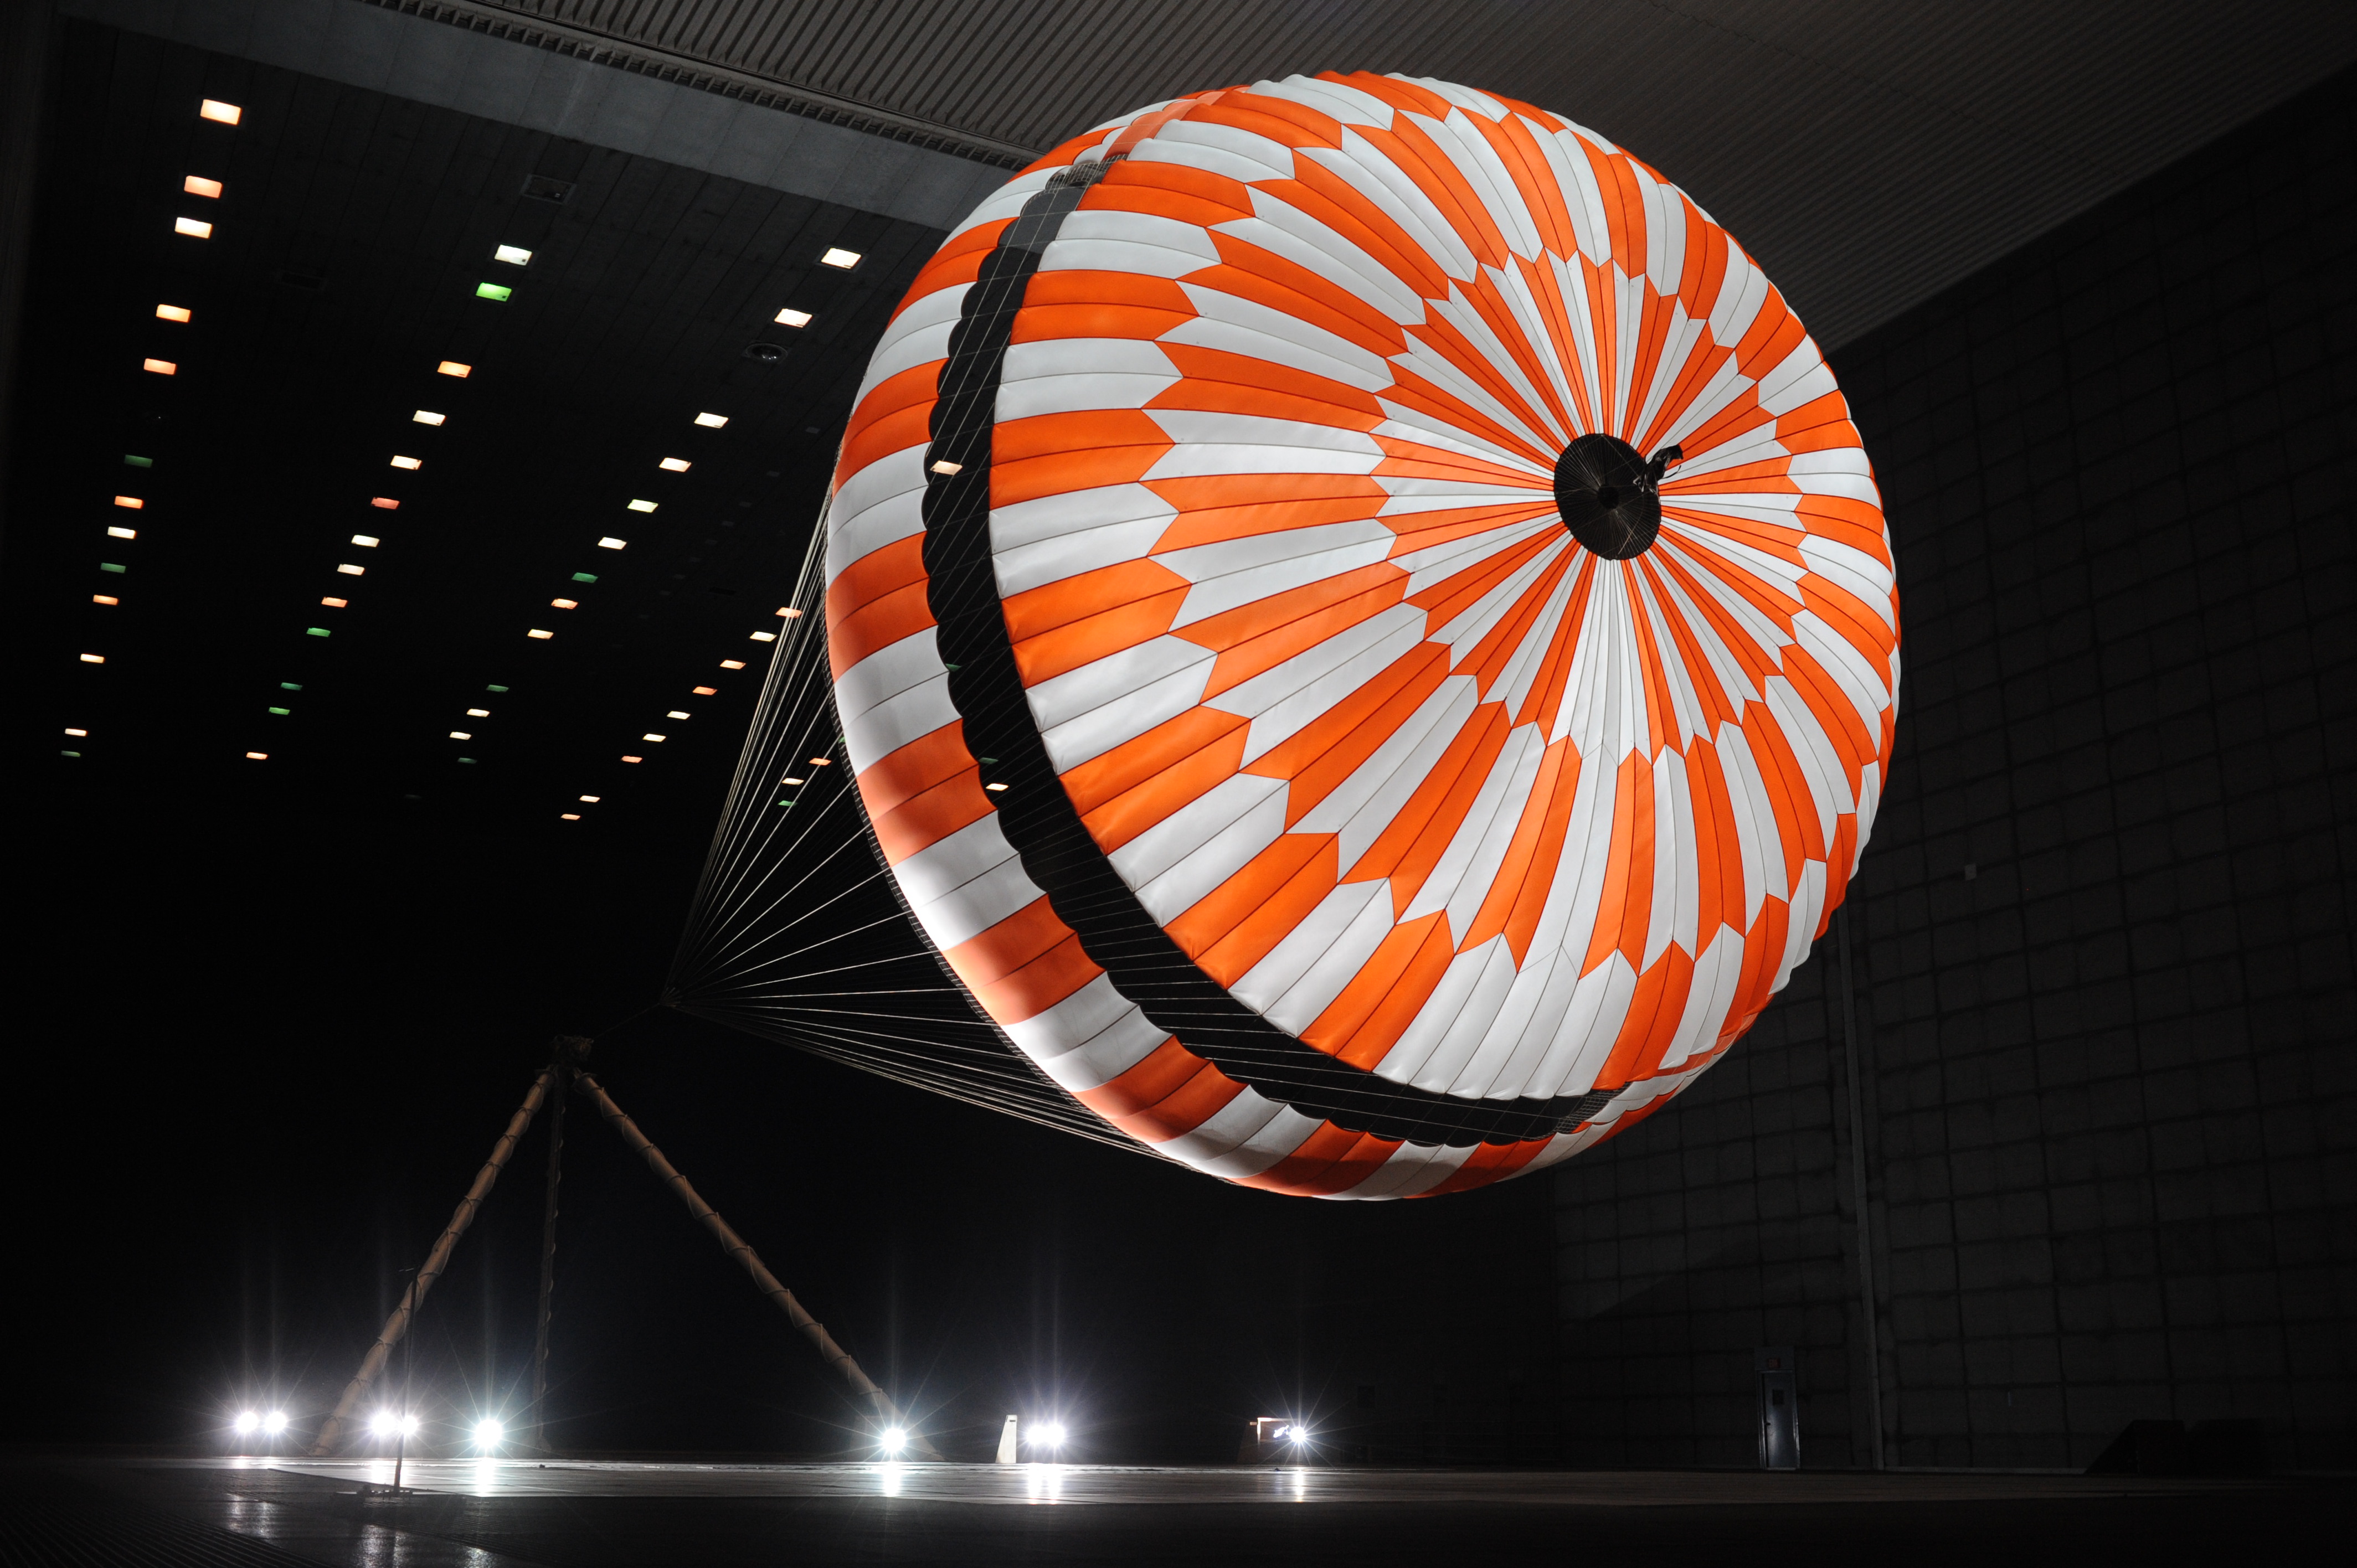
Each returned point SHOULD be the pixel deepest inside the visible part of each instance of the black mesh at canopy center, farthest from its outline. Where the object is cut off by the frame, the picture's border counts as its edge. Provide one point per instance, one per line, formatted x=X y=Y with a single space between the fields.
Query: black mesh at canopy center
x=1605 y=490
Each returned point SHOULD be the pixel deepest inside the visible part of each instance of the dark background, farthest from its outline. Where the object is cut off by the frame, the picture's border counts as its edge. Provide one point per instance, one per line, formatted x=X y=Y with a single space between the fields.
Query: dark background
x=2103 y=960
x=269 y=1020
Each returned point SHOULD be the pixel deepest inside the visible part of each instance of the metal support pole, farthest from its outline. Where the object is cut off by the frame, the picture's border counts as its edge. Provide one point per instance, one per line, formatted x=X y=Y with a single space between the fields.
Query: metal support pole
x=570 y=1050
x=737 y=1246
x=436 y=1261
x=1857 y=1180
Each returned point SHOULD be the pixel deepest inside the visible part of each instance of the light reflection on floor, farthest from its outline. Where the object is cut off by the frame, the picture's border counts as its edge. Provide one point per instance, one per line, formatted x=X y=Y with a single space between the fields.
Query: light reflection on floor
x=1066 y=1482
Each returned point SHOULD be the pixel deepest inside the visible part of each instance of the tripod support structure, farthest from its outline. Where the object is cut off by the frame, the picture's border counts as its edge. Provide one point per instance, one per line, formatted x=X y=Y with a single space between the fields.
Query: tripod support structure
x=565 y=1071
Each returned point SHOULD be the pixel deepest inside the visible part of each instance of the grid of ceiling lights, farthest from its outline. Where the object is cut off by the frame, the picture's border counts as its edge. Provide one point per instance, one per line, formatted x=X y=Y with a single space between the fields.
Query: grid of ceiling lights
x=346 y=572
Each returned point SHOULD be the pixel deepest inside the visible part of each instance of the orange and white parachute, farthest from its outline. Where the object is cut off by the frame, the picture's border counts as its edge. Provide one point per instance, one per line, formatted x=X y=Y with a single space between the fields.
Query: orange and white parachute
x=1365 y=632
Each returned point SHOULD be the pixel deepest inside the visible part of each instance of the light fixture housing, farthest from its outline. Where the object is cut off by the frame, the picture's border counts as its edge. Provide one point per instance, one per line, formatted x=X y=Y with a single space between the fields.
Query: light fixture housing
x=513 y=255
x=335 y=604
x=194 y=228
x=790 y=317
x=652 y=736
x=712 y=421
x=943 y=466
x=643 y=506
x=460 y=735
x=765 y=636
x=732 y=664
x=119 y=531
x=674 y=464
x=214 y=109
x=133 y=503
x=401 y=462
x=93 y=659
x=454 y=369
x=198 y=184
x=366 y=541
x=174 y=313
x=708 y=690
x=837 y=256
x=611 y=542
x=564 y=604
x=426 y=416
x=539 y=636
x=497 y=292
x=384 y=503
x=677 y=713
x=479 y=713
x=349 y=570
x=589 y=799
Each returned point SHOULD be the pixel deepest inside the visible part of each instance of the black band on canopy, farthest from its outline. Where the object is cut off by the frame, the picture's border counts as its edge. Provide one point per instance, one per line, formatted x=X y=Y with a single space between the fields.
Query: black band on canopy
x=1039 y=819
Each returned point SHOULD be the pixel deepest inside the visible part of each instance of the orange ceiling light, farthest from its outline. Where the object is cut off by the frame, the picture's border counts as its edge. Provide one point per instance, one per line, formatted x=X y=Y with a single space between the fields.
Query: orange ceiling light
x=172 y=312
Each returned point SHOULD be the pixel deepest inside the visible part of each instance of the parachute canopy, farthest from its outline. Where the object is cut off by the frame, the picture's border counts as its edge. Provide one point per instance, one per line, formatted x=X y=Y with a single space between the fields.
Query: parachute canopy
x=1364 y=632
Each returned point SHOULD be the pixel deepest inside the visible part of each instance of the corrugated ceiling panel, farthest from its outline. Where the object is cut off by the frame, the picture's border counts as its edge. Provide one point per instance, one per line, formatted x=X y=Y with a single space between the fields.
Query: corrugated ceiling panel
x=1867 y=154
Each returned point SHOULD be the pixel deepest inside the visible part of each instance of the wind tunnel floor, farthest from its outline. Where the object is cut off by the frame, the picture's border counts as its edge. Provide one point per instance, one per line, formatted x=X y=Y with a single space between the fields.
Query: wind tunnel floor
x=71 y=1510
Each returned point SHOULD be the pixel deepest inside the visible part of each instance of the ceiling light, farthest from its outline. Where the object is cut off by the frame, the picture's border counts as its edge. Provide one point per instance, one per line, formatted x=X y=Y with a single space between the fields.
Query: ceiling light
x=590 y=799
x=198 y=184
x=133 y=460
x=366 y=541
x=712 y=421
x=675 y=714
x=194 y=228
x=257 y=757
x=732 y=664
x=111 y=566
x=315 y=631
x=570 y=816
x=426 y=416
x=453 y=367
x=585 y=576
x=479 y=713
x=105 y=599
x=708 y=690
x=514 y=255
x=945 y=467
x=791 y=781
x=673 y=464
x=159 y=366
x=349 y=570
x=214 y=109
x=79 y=732
x=634 y=759
x=133 y=502
x=93 y=659
x=792 y=317
x=542 y=636
x=609 y=543
x=837 y=256
x=289 y=686
x=284 y=713
x=460 y=735
x=466 y=759
x=765 y=636
x=334 y=604
x=564 y=604
x=407 y=463
x=652 y=736
x=822 y=762
x=122 y=533
x=387 y=502
x=994 y=786
x=791 y=613
x=642 y=506
x=172 y=313
x=498 y=291
x=495 y=688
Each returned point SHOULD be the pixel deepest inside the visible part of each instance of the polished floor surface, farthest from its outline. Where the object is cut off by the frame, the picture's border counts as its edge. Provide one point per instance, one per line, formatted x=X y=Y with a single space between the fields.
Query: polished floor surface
x=71 y=1510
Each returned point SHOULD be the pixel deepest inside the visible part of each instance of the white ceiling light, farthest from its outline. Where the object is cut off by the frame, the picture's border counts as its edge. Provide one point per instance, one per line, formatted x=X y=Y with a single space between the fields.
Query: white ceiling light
x=366 y=541
x=673 y=464
x=426 y=416
x=793 y=318
x=837 y=256
x=611 y=542
x=407 y=463
x=514 y=255
x=712 y=421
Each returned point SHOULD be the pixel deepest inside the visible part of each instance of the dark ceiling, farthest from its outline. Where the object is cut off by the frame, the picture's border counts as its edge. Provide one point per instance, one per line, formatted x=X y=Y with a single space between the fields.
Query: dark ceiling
x=347 y=248
x=1867 y=155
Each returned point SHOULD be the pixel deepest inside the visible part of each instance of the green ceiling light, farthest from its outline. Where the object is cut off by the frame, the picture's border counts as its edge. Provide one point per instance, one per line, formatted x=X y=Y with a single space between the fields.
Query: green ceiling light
x=110 y=566
x=281 y=712
x=495 y=688
x=289 y=686
x=69 y=754
x=498 y=291
x=585 y=576
x=133 y=460
x=466 y=759
x=315 y=631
